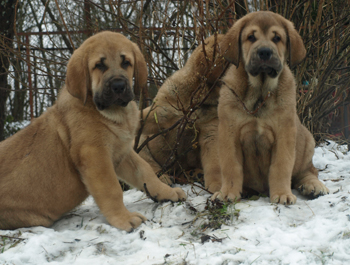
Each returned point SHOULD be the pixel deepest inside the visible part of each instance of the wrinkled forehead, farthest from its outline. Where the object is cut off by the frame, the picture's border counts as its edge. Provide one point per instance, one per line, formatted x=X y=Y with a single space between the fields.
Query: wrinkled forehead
x=113 y=54
x=113 y=47
x=264 y=23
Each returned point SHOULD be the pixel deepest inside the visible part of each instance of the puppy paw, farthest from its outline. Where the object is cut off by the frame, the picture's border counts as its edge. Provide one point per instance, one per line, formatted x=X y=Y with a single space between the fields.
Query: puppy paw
x=226 y=196
x=313 y=188
x=283 y=198
x=127 y=221
x=179 y=195
x=213 y=186
x=165 y=193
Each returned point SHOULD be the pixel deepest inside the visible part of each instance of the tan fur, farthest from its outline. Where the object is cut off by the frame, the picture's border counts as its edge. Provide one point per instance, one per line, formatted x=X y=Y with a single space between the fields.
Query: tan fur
x=268 y=151
x=179 y=88
x=76 y=149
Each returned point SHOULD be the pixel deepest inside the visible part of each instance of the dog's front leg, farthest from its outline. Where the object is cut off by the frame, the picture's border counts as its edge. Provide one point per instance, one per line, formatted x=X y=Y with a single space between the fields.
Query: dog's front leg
x=282 y=163
x=97 y=172
x=208 y=141
x=231 y=162
x=138 y=173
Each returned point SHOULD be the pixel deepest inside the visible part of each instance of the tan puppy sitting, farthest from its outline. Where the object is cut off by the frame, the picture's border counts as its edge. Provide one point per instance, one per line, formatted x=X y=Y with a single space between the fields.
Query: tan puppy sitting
x=82 y=144
x=262 y=144
x=186 y=88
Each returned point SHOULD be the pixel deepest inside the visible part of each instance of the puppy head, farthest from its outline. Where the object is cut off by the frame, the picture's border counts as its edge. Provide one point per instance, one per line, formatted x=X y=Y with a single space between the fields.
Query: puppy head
x=104 y=67
x=263 y=41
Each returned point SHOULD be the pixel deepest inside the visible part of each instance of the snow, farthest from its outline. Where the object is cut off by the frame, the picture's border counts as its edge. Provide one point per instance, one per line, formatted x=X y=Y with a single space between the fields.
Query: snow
x=256 y=232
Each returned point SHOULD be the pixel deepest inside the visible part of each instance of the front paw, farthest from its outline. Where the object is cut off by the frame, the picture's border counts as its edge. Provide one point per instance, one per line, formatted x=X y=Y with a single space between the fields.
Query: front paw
x=229 y=196
x=313 y=188
x=283 y=198
x=165 y=193
x=127 y=221
x=213 y=187
x=177 y=194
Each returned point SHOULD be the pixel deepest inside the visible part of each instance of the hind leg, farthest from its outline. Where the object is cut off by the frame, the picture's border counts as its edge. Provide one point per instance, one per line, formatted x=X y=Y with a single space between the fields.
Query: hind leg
x=305 y=175
x=15 y=219
x=308 y=184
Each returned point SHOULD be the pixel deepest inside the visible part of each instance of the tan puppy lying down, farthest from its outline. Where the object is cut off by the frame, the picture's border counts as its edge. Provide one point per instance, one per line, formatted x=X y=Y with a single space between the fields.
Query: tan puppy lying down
x=262 y=144
x=181 y=91
x=82 y=144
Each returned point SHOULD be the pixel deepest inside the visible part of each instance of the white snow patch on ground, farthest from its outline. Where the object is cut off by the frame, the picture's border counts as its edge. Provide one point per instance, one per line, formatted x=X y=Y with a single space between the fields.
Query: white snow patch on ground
x=258 y=232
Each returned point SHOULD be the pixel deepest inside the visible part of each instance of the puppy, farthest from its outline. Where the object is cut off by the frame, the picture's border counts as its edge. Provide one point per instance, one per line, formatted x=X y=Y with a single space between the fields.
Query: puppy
x=262 y=144
x=181 y=92
x=82 y=144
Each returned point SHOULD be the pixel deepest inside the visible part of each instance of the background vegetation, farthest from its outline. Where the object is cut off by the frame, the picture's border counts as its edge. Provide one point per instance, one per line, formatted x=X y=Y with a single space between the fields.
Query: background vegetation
x=37 y=38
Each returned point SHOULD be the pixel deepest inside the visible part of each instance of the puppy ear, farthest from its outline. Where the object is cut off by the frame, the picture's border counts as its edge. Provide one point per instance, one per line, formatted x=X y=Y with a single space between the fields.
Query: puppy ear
x=230 y=46
x=78 y=81
x=140 y=71
x=296 y=47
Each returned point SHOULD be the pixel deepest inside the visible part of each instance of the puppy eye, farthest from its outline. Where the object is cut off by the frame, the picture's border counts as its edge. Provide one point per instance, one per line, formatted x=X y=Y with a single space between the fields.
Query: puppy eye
x=251 y=38
x=101 y=66
x=276 y=39
x=126 y=64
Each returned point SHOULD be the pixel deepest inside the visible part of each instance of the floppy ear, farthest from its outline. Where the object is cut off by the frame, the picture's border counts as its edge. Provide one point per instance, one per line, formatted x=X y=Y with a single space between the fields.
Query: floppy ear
x=230 y=46
x=140 y=71
x=78 y=81
x=296 y=48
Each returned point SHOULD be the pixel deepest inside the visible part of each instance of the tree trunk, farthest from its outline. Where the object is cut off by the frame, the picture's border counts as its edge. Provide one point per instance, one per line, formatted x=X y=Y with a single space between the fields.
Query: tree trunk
x=7 y=18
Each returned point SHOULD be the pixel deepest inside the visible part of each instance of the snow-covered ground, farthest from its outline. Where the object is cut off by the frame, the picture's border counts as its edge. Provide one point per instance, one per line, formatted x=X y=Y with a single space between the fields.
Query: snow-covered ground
x=256 y=231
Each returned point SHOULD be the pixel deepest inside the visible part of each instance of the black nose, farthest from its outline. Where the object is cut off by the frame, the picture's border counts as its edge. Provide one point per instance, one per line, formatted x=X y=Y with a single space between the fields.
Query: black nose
x=264 y=53
x=118 y=86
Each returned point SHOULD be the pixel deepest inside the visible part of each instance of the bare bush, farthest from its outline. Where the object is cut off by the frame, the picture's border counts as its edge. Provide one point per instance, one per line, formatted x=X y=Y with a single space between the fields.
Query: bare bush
x=47 y=32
